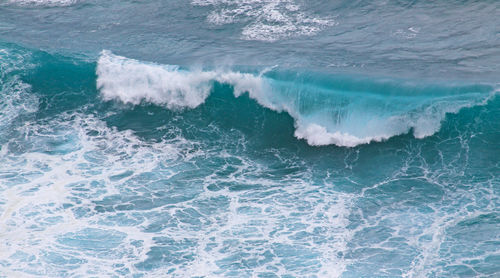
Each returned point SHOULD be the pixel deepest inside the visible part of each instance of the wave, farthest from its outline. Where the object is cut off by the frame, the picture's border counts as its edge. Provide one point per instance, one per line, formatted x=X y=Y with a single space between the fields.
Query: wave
x=341 y=111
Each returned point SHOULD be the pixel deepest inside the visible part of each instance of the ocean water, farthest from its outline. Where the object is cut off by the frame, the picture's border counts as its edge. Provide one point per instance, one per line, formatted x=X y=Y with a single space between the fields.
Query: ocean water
x=249 y=138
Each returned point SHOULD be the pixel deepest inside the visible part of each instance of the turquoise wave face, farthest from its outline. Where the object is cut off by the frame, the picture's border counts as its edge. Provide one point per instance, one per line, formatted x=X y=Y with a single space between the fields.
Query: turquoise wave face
x=183 y=172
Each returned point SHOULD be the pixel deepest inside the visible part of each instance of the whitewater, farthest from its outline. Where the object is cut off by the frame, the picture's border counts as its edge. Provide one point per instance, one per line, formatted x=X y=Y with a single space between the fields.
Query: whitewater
x=277 y=138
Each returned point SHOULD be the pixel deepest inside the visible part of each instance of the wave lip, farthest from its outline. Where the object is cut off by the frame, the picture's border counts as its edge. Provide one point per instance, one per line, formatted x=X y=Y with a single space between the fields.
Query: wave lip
x=134 y=82
x=131 y=81
x=347 y=112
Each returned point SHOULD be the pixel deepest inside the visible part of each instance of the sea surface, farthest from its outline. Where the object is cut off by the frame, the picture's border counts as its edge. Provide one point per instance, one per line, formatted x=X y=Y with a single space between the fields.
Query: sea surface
x=249 y=138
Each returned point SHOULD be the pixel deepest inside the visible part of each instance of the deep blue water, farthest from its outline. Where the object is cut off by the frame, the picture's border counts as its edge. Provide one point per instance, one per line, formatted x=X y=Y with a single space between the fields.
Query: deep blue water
x=249 y=138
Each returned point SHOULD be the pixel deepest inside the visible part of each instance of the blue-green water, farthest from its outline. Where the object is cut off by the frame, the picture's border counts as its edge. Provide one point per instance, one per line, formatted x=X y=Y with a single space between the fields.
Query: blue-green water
x=249 y=138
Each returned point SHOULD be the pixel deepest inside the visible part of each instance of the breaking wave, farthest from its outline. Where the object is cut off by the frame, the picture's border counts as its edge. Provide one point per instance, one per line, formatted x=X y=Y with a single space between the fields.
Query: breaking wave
x=344 y=111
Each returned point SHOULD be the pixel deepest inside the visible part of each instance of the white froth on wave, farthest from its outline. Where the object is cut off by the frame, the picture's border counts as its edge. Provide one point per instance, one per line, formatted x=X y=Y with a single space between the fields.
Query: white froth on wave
x=15 y=100
x=265 y=20
x=132 y=81
x=317 y=135
x=15 y=96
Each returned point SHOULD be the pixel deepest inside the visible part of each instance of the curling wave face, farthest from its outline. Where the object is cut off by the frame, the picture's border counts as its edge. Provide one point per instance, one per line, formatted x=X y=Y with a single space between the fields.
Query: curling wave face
x=345 y=112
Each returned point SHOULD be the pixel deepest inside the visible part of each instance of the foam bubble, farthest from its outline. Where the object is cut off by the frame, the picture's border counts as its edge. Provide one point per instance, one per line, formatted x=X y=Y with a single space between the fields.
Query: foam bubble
x=48 y=3
x=265 y=20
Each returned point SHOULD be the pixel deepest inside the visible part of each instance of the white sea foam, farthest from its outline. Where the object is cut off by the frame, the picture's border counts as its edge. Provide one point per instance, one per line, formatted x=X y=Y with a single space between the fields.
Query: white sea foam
x=265 y=20
x=15 y=96
x=47 y=3
x=47 y=192
x=294 y=225
x=73 y=162
x=15 y=101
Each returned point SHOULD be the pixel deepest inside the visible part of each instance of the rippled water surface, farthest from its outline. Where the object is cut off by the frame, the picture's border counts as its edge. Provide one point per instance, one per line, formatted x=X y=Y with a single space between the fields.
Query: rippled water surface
x=277 y=138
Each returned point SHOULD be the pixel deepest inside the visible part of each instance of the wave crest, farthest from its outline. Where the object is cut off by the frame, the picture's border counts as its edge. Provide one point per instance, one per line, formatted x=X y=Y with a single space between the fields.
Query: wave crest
x=132 y=81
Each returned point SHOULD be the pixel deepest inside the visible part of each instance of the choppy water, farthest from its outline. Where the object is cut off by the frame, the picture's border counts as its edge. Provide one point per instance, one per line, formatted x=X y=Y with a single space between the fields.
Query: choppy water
x=277 y=138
